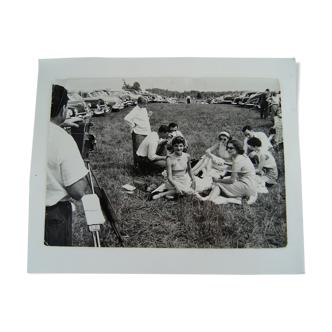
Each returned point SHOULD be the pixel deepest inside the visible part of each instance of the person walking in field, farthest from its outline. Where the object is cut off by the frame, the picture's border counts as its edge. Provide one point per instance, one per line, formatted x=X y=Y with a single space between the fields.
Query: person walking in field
x=65 y=174
x=180 y=178
x=138 y=120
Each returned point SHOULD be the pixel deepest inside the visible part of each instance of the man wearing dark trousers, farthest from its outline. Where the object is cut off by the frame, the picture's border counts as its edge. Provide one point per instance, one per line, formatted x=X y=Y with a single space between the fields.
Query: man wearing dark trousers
x=65 y=174
x=264 y=105
x=152 y=153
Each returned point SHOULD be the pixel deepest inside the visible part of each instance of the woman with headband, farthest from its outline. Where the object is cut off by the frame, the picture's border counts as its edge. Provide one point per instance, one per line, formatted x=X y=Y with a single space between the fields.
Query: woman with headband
x=216 y=158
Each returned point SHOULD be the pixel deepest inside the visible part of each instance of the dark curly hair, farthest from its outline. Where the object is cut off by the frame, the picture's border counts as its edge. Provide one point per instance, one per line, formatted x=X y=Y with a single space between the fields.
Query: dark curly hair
x=178 y=140
x=59 y=99
x=237 y=145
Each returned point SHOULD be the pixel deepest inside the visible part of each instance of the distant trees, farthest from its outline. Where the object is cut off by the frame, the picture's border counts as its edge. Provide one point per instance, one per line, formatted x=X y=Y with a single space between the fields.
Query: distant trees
x=176 y=94
x=136 y=86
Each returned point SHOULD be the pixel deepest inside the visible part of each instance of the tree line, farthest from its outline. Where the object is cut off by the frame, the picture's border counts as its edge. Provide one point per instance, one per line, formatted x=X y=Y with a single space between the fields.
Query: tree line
x=176 y=94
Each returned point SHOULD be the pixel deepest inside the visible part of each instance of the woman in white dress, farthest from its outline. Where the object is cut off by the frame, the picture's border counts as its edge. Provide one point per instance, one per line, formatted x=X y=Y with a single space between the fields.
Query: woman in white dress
x=180 y=178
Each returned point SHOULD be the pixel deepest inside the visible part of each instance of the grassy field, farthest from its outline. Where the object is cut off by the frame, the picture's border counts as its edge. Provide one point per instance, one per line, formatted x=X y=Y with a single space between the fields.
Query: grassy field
x=187 y=222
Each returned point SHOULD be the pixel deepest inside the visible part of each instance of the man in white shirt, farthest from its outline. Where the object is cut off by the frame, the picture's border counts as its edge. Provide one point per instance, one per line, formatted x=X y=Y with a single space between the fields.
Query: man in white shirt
x=138 y=120
x=65 y=174
x=249 y=133
x=151 y=155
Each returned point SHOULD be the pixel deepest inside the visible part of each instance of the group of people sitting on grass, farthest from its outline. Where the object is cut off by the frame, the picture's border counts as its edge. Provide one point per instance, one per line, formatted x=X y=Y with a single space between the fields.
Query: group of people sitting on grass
x=229 y=169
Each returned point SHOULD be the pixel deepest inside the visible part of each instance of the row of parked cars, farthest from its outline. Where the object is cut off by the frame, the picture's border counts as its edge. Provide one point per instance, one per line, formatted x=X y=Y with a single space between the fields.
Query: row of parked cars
x=248 y=99
x=99 y=102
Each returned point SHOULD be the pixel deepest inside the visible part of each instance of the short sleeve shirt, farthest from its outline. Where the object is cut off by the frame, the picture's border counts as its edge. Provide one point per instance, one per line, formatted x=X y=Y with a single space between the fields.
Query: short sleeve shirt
x=65 y=165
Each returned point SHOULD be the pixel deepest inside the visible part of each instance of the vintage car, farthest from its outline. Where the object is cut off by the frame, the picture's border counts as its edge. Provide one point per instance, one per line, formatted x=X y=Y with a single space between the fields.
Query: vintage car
x=125 y=96
x=253 y=100
x=247 y=97
x=133 y=95
x=217 y=100
x=114 y=102
x=97 y=104
x=77 y=105
x=239 y=98
x=228 y=99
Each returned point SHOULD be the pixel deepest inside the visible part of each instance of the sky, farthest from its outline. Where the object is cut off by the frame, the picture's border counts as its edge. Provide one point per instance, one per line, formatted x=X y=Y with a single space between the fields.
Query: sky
x=174 y=84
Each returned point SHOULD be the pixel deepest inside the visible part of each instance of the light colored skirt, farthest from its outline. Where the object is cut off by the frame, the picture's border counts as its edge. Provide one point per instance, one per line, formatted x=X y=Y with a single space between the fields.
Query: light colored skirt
x=240 y=188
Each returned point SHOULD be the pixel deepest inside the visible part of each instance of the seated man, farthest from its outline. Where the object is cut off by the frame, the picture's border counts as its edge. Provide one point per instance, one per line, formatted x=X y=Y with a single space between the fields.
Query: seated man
x=249 y=133
x=151 y=154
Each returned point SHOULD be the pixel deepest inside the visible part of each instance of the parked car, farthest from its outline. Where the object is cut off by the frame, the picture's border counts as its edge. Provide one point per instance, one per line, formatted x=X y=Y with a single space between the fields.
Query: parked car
x=247 y=96
x=133 y=95
x=239 y=98
x=253 y=100
x=98 y=104
x=113 y=101
x=228 y=99
x=217 y=100
x=77 y=105
x=125 y=97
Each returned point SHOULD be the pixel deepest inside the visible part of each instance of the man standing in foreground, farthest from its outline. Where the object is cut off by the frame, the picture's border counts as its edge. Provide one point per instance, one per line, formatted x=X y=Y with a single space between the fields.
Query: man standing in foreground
x=138 y=120
x=151 y=154
x=65 y=174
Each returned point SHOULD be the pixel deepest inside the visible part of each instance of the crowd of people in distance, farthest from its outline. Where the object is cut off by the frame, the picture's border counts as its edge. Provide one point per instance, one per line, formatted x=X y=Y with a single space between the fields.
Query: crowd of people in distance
x=228 y=169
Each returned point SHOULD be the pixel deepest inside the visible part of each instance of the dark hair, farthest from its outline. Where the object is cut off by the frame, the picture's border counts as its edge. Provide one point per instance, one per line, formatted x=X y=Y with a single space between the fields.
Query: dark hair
x=246 y=128
x=142 y=101
x=237 y=145
x=255 y=142
x=59 y=99
x=224 y=134
x=267 y=90
x=163 y=129
x=172 y=125
x=178 y=140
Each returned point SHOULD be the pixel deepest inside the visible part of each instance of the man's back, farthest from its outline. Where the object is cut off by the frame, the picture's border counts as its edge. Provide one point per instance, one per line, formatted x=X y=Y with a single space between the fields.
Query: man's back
x=64 y=165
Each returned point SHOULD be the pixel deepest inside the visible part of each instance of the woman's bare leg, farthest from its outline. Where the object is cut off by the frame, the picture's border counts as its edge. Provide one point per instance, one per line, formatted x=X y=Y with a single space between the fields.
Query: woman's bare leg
x=165 y=193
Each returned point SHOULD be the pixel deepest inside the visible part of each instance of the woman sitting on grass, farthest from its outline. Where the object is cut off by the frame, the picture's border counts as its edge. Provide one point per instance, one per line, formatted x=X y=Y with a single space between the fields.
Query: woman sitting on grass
x=265 y=164
x=180 y=179
x=242 y=182
x=214 y=163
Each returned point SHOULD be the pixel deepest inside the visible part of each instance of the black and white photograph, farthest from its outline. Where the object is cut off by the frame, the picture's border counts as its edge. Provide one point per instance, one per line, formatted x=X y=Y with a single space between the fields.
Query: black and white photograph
x=166 y=163
x=149 y=165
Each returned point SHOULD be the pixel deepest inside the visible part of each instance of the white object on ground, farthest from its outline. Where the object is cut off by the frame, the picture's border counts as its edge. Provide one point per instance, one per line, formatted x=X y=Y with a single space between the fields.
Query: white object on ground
x=128 y=187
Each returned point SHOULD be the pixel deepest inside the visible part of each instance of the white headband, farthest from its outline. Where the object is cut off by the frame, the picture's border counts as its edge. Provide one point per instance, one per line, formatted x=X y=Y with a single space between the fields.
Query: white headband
x=224 y=133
